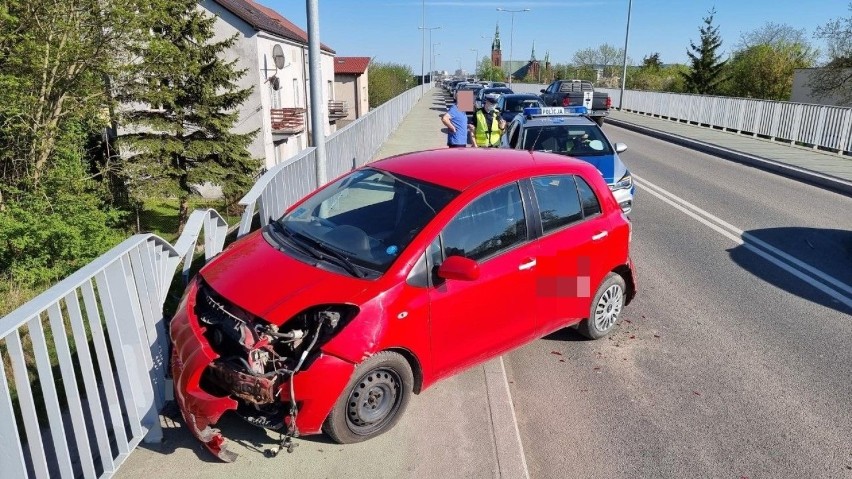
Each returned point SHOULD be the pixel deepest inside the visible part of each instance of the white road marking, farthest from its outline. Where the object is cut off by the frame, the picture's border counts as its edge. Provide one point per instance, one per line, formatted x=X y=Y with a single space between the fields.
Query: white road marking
x=755 y=245
x=511 y=460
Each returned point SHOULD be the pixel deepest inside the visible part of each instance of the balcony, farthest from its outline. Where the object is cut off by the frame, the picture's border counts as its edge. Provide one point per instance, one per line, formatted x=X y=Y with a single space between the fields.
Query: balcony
x=337 y=110
x=287 y=121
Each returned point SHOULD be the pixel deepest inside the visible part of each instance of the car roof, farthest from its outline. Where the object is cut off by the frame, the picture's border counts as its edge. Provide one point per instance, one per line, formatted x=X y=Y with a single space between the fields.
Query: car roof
x=555 y=120
x=525 y=95
x=461 y=168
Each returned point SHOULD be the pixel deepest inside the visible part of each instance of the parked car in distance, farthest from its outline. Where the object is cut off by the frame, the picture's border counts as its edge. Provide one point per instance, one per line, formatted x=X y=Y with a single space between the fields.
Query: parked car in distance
x=514 y=103
x=480 y=95
x=569 y=132
x=578 y=93
x=390 y=278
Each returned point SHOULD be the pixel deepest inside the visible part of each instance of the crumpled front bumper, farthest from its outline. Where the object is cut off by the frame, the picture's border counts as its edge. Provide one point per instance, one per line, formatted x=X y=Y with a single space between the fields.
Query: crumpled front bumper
x=316 y=387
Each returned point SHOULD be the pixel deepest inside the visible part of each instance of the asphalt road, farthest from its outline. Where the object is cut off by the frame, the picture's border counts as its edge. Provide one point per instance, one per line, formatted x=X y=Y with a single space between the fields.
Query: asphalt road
x=734 y=361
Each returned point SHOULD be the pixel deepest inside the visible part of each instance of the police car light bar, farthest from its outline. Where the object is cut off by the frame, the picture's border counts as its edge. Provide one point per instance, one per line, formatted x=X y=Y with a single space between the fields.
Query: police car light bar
x=555 y=111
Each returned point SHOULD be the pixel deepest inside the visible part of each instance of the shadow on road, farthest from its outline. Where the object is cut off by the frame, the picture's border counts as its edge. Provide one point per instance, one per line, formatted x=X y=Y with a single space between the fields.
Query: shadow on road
x=827 y=250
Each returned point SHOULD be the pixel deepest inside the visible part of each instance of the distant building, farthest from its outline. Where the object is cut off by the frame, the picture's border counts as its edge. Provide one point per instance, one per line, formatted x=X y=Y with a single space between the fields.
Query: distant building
x=351 y=87
x=280 y=102
x=802 y=92
x=518 y=69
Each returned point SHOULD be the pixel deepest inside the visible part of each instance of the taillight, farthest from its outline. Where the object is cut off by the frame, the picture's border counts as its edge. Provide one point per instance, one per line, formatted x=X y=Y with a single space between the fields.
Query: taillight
x=608 y=102
x=566 y=101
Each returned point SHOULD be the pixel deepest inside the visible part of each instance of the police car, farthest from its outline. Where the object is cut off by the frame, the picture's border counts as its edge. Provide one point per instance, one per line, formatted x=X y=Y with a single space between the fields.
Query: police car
x=567 y=131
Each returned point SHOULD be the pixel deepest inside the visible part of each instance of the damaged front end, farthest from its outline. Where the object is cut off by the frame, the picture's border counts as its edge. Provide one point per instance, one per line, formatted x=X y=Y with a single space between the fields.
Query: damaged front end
x=228 y=359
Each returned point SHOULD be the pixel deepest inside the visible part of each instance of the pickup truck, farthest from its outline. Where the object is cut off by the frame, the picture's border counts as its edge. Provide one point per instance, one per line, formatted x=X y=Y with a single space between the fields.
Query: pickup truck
x=577 y=93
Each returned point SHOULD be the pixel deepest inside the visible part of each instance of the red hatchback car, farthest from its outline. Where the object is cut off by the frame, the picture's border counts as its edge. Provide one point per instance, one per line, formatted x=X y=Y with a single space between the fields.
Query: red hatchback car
x=394 y=276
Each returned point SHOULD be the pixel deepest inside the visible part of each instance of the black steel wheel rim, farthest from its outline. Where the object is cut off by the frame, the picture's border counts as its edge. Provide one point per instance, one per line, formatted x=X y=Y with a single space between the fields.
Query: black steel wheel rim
x=373 y=401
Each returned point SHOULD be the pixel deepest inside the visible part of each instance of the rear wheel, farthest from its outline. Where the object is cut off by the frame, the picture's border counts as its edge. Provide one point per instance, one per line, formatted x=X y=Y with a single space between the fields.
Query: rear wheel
x=605 y=309
x=373 y=401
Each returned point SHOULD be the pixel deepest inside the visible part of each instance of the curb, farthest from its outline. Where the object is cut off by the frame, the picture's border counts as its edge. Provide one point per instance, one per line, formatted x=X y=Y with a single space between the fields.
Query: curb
x=838 y=185
x=511 y=461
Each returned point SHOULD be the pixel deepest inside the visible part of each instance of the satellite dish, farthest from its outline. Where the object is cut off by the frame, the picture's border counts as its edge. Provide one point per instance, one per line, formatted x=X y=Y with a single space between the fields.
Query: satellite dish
x=278 y=56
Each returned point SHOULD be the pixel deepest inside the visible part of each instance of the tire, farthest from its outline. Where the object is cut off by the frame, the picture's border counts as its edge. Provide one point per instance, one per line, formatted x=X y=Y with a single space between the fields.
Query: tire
x=599 y=120
x=605 y=308
x=373 y=401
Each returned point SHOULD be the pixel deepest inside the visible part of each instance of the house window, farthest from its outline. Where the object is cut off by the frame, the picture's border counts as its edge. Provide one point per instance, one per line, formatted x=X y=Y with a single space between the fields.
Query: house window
x=296 y=101
x=330 y=90
x=275 y=95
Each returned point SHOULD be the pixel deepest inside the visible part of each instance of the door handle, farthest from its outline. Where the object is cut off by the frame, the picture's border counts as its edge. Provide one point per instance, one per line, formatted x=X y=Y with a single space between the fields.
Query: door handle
x=599 y=236
x=528 y=265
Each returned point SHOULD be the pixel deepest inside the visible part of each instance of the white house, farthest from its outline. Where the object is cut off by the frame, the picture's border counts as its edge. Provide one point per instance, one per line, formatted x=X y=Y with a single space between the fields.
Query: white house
x=351 y=80
x=274 y=53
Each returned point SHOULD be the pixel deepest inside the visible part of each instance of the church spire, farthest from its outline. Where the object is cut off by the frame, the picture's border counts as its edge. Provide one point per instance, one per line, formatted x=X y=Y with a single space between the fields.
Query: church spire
x=495 y=45
x=532 y=56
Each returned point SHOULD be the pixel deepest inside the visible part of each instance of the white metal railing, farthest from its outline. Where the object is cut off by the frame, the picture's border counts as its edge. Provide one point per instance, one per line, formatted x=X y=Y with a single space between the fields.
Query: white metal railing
x=822 y=126
x=347 y=148
x=121 y=367
x=118 y=344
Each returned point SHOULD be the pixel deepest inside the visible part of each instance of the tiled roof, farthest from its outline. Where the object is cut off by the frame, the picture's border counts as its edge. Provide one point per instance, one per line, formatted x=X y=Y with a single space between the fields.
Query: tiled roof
x=351 y=65
x=268 y=20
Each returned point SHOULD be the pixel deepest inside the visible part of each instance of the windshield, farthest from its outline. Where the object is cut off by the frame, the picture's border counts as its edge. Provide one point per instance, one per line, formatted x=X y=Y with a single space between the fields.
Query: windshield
x=368 y=216
x=517 y=104
x=572 y=140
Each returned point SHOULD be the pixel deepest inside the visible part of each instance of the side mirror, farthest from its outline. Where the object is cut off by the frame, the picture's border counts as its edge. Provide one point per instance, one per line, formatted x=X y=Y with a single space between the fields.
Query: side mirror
x=459 y=267
x=619 y=147
x=543 y=90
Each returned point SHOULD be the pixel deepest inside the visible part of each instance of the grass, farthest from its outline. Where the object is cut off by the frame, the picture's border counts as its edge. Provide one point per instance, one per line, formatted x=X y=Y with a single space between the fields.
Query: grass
x=160 y=215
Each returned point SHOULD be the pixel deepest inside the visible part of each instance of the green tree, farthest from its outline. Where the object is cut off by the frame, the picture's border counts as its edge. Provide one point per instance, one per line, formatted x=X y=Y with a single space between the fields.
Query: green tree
x=487 y=71
x=178 y=133
x=834 y=79
x=653 y=75
x=388 y=80
x=652 y=62
x=765 y=71
x=706 y=66
x=54 y=59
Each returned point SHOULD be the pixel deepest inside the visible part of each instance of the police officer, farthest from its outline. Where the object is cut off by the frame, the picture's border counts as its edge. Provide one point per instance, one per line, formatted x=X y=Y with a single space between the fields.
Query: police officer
x=487 y=125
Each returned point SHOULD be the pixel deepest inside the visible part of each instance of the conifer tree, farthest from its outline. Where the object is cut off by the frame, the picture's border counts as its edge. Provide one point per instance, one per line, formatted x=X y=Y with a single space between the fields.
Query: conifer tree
x=705 y=71
x=180 y=110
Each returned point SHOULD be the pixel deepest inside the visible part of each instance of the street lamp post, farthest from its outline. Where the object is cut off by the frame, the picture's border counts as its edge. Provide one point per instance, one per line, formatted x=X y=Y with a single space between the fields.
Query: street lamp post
x=511 y=36
x=432 y=60
x=624 y=61
x=475 y=60
x=430 y=42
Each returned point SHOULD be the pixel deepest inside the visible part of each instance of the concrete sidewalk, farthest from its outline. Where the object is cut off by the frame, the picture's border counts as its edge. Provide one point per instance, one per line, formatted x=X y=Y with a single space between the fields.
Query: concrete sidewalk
x=829 y=170
x=462 y=427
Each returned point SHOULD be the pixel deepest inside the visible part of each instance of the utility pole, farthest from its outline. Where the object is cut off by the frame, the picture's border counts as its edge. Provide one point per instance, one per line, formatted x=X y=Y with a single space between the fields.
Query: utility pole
x=424 y=28
x=512 y=36
x=624 y=61
x=318 y=119
x=475 y=60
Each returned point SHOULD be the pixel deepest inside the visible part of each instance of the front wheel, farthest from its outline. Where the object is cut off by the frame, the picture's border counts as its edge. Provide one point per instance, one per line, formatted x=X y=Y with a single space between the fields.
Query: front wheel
x=606 y=306
x=373 y=401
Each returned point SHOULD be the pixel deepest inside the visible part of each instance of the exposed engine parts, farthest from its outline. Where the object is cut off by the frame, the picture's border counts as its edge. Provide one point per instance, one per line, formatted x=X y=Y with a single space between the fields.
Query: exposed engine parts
x=258 y=359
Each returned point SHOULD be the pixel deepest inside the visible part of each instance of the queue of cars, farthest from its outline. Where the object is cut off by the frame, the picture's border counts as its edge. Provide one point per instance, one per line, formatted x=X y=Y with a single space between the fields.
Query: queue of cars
x=566 y=130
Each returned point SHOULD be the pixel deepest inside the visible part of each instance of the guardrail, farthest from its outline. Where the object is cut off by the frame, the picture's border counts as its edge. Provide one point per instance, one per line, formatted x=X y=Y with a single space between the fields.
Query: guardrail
x=345 y=149
x=820 y=126
x=117 y=349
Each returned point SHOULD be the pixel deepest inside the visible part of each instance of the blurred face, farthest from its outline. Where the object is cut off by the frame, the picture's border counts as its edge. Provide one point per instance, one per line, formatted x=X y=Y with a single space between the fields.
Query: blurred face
x=489 y=107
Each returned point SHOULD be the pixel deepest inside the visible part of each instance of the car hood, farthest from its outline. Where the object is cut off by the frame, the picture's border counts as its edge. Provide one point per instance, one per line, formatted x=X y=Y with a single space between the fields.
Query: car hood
x=610 y=166
x=271 y=284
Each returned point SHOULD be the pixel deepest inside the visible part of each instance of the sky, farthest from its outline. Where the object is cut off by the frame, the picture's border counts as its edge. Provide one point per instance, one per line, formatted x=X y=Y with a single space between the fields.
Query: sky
x=387 y=30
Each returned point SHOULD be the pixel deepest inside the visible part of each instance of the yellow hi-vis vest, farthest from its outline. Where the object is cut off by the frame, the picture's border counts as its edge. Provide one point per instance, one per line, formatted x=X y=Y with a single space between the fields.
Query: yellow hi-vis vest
x=487 y=135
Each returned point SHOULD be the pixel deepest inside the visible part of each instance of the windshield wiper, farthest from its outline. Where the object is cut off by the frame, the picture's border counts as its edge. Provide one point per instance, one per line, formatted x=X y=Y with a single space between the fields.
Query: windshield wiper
x=321 y=251
x=300 y=244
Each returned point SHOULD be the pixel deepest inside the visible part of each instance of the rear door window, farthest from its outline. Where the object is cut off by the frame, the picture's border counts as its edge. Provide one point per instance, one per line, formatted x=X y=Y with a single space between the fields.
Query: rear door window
x=558 y=201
